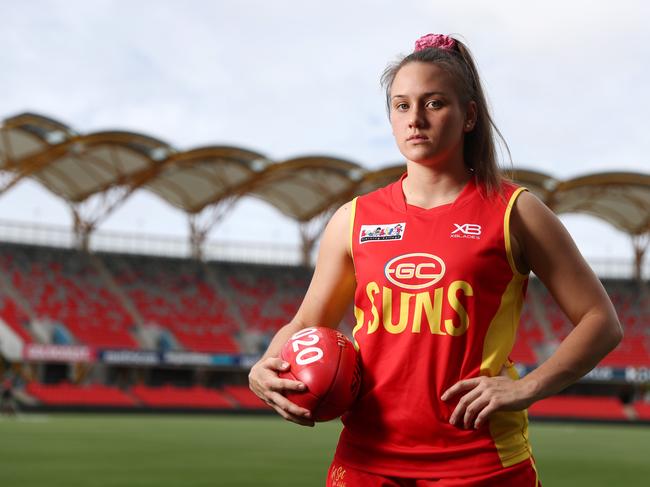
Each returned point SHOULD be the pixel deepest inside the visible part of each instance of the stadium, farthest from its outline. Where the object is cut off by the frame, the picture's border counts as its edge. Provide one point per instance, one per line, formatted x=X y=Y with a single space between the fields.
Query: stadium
x=89 y=324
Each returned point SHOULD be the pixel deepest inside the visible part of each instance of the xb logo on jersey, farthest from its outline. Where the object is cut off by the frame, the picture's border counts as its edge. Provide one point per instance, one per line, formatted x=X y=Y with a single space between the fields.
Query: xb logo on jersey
x=466 y=230
x=415 y=271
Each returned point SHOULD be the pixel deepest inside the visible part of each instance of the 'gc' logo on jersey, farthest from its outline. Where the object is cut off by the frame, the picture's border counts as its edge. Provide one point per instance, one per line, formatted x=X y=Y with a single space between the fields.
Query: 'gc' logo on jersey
x=466 y=230
x=415 y=271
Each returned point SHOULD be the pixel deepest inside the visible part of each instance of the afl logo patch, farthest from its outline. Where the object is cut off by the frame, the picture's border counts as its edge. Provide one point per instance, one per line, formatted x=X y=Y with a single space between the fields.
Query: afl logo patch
x=378 y=233
x=415 y=271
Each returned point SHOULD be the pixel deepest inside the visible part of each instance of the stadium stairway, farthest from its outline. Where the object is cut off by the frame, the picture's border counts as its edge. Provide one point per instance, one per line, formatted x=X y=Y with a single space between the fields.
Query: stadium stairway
x=101 y=269
x=14 y=316
x=267 y=297
x=15 y=310
x=174 y=294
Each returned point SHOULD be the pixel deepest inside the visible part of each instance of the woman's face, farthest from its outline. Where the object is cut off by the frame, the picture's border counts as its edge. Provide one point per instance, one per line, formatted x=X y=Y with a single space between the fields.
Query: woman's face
x=426 y=114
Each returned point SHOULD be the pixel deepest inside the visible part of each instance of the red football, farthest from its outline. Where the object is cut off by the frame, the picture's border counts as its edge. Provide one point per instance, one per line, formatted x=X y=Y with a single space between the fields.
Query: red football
x=326 y=362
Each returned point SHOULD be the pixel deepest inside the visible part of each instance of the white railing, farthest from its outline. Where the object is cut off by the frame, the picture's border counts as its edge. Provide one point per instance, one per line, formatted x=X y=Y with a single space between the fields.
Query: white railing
x=147 y=244
x=618 y=268
x=251 y=252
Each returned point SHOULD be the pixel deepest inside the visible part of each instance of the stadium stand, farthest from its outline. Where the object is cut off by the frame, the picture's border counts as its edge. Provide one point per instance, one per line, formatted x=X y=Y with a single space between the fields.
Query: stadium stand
x=642 y=410
x=153 y=303
x=177 y=294
x=205 y=306
x=63 y=286
x=169 y=396
x=14 y=316
x=244 y=397
x=165 y=396
x=632 y=304
x=266 y=297
x=579 y=407
x=65 y=394
x=529 y=336
x=105 y=300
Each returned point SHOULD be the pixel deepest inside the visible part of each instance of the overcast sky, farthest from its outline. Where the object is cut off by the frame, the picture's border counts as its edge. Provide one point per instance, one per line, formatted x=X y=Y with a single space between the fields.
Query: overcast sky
x=567 y=81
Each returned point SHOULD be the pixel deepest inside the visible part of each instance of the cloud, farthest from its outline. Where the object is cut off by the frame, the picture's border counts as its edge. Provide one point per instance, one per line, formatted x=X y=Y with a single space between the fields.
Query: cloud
x=567 y=80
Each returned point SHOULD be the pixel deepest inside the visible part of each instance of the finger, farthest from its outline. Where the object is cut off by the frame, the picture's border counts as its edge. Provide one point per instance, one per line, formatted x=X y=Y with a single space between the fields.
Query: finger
x=463 y=385
x=258 y=390
x=459 y=410
x=482 y=417
x=277 y=364
x=288 y=406
x=473 y=409
x=280 y=385
x=292 y=417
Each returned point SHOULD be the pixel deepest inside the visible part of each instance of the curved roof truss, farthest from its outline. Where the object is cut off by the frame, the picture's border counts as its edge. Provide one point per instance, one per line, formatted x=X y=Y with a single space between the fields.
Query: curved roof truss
x=80 y=167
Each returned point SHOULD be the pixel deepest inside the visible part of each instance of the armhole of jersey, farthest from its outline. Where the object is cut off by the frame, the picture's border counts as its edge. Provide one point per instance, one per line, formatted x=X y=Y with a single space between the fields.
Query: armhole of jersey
x=353 y=211
x=506 y=231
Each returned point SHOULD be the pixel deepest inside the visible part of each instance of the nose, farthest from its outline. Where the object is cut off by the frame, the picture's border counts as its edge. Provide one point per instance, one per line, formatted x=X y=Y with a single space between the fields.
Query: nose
x=417 y=119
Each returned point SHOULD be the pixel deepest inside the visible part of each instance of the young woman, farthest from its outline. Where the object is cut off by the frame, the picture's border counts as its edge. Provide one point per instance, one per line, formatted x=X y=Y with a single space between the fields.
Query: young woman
x=437 y=303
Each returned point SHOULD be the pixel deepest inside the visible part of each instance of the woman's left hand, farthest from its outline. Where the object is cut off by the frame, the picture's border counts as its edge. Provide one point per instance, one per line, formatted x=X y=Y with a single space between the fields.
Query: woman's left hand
x=481 y=396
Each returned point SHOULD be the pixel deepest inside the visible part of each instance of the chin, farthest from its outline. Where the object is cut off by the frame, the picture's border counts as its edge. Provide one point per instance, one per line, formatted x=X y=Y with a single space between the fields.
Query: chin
x=422 y=159
x=421 y=155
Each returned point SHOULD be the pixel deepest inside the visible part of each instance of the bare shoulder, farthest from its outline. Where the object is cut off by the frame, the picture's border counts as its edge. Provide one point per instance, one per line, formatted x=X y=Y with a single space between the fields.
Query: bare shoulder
x=528 y=208
x=338 y=228
x=543 y=243
x=344 y=211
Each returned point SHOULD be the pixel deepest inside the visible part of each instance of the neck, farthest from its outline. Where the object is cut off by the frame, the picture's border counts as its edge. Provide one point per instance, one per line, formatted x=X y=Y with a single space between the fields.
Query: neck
x=428 y=187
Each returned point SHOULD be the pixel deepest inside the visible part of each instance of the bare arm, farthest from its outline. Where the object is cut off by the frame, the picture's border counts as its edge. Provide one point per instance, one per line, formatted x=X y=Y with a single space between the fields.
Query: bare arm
x=328 y=297
x=542 y=244
x=551 y=253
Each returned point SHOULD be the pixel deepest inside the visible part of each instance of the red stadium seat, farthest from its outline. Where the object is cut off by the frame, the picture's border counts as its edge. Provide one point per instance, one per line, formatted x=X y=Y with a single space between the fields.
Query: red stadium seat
x=579 y=407
x=642 y=409
x=245 y=397
x=175 y=294
x=65 y=394
x=14 y=317
x=63 y=286
x=177 y=397
x=631 y=305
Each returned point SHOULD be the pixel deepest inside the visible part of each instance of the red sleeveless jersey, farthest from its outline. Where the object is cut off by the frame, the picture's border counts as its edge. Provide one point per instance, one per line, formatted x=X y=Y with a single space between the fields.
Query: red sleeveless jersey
x=438 y=300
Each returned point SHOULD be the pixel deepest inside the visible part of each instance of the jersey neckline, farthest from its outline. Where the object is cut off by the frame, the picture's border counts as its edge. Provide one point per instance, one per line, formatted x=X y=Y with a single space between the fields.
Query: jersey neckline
x=399 y=199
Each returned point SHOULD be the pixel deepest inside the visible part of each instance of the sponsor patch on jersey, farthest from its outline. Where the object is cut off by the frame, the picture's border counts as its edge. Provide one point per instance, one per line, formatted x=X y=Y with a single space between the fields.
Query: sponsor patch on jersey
x=466 y=230
x=379 y=233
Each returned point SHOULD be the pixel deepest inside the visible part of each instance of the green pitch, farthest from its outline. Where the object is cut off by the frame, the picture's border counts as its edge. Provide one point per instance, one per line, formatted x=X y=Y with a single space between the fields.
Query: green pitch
x=232 y=451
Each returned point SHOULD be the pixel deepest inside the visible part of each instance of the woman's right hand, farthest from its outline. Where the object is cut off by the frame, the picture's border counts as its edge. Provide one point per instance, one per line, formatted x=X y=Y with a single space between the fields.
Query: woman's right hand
x=265 y=382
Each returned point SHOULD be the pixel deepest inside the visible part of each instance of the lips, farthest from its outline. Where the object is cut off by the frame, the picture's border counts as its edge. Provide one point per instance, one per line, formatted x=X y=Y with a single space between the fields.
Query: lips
x=416 y=138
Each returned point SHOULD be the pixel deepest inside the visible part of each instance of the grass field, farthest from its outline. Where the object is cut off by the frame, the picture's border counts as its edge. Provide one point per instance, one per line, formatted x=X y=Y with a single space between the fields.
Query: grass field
x=193 y=451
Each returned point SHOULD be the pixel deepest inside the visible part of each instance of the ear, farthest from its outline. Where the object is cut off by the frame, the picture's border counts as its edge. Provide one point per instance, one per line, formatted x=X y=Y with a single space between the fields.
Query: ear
x=471 y=116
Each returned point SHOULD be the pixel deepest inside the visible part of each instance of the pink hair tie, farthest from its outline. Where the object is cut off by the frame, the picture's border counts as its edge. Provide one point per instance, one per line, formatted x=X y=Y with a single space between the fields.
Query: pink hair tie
x=439 y=41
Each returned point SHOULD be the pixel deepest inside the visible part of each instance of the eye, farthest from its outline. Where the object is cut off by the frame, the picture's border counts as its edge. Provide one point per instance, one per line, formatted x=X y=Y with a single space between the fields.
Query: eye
x=401 y=107
x=435 y=104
